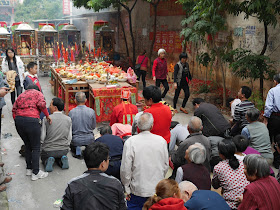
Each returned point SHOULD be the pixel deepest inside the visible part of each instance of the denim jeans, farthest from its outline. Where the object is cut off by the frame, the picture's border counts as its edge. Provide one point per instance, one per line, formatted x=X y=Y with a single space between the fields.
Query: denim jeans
x=29 y=129
x=136 y=202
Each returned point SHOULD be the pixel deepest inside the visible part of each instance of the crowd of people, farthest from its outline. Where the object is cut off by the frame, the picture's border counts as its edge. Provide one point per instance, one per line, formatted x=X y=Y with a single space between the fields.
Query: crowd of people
x=128 y=164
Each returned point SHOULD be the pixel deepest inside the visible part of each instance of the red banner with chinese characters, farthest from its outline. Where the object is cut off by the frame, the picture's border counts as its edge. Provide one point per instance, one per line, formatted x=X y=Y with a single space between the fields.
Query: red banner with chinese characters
x=168 y=8
x=105 y=99
x=168 y=40
x=66 y=7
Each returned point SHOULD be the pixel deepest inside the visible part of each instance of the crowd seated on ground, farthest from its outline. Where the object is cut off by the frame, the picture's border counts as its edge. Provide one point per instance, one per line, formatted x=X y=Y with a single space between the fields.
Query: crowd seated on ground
x=128 y=165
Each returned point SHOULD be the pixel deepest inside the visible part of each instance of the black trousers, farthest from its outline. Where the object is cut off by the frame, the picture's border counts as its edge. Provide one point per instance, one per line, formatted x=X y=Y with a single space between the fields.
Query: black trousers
x=29 y=129
x=185 y=87
x=142 y=73
x=273 y=126
x=55 y=154
x=165 y=84
x=18 y=91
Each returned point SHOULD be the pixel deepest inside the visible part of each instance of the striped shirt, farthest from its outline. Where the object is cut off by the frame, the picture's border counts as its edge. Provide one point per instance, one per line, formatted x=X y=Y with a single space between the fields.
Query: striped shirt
x=240 y=112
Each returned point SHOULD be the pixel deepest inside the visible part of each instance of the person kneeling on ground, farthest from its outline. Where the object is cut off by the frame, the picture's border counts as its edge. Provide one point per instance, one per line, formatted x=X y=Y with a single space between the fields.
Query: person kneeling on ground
x=201 y=199
x=83 y=123
x=115 y=144
x=168 y=196
x=95 y=189
x=263 y=192
x=56 y=138
x=258 y=134
x=194 y=171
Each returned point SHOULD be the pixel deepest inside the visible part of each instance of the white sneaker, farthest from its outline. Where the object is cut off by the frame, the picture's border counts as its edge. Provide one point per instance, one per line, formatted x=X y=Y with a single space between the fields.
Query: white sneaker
x=28 y=172
x=40 y=175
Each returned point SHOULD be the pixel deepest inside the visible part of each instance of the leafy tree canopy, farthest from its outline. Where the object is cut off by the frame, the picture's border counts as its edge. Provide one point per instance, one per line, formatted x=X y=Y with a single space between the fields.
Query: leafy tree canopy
x=98 y=5
x=38 y=9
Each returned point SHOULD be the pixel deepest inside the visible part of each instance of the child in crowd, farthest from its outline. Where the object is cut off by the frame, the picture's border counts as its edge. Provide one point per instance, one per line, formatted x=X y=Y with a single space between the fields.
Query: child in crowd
x=31 y=76
x=243 y=149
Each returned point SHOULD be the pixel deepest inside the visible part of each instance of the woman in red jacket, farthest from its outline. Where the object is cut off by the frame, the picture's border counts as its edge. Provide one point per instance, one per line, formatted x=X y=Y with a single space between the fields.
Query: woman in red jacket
x=160 y=71
x=168 y=196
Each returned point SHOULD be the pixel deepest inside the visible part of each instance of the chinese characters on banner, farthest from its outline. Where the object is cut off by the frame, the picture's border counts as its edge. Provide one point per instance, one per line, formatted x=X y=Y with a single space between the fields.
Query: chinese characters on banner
x=66 y=7
x=168 y=8
x=168 y=40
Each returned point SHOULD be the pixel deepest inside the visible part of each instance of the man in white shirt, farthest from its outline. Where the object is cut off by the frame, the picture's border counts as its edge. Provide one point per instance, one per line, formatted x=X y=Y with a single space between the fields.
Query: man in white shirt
x=144 y=163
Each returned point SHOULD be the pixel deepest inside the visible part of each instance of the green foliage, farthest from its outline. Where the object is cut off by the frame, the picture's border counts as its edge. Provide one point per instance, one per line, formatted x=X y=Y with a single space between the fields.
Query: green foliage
x=204 y=88
x=204 y=59
x=256 y=98
x=38 y=9
x=98 y=5
x=246 y=64
x=265 y=10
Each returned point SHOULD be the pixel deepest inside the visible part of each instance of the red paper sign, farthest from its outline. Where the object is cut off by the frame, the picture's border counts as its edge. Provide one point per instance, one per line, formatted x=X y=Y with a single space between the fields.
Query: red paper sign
x=168 y=40
x=66 y=7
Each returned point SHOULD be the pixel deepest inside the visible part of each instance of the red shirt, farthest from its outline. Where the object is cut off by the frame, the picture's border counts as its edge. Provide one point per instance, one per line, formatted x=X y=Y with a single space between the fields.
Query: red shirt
x=262 y=194
x=30 y=104
x=162 y=120
x=160 y=68
x=141 y=60
x=124 y=113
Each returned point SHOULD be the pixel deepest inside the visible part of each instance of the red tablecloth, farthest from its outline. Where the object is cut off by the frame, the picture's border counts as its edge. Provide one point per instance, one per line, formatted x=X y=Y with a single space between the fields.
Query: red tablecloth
x=105 y=99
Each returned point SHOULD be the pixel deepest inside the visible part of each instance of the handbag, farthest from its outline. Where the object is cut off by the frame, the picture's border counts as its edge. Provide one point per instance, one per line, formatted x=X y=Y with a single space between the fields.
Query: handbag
x=138 y=66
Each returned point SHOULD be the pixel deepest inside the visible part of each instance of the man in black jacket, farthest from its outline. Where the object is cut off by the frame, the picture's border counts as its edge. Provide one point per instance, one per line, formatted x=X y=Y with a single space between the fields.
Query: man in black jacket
x=213 y=121
x=95 y=189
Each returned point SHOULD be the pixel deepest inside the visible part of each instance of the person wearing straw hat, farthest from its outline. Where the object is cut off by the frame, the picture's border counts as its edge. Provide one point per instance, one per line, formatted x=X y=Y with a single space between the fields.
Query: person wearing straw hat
x=125 y=112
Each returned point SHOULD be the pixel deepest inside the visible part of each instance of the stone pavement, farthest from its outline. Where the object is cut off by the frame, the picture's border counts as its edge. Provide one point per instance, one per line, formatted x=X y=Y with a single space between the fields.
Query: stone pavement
x=23 y=193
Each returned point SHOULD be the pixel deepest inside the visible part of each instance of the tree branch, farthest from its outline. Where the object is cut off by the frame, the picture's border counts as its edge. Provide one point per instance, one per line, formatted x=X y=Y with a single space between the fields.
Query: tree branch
x=123 y=5
x=133 y=5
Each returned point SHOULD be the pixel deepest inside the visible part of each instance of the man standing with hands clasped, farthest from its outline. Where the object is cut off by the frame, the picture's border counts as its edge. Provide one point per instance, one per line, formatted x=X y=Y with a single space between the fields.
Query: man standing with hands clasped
x=272 y=108
x=182 y=77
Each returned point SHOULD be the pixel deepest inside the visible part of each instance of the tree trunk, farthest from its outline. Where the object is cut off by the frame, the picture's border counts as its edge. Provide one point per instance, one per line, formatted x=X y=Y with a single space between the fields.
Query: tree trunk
x=155 y=29
x=124 y=34
x=224 y=80
x=132 y=39
x=262 y=53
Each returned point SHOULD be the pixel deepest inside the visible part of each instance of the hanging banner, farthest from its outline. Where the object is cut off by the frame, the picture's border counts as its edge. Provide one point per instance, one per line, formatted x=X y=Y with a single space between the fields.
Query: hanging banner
x=66 y=7
x=168 y=40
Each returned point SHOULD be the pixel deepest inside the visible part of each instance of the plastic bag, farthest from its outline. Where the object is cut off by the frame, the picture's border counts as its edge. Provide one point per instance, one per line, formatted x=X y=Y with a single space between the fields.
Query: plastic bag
x=131 y=76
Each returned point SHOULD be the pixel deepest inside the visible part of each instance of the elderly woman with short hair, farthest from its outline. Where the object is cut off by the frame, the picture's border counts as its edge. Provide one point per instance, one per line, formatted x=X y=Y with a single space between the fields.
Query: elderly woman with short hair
x=258 y=135
x=263 y=192
x=194 y=171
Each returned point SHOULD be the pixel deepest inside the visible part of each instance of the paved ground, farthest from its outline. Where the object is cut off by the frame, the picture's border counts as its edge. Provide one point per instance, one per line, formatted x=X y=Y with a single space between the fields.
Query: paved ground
x=24 y=193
